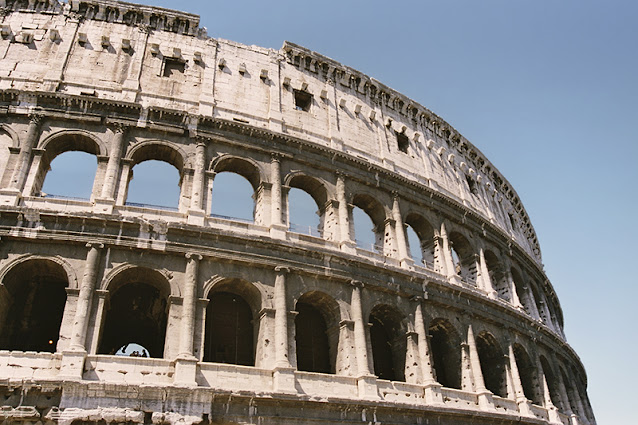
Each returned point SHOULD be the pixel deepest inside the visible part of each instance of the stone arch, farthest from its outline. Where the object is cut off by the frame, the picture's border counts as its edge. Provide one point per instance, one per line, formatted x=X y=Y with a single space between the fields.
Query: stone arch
x=138 y=310
x=552 y=382
x=32 y=303
x=71 y=276
x=61 y=142
x=445 y=346
x=315 y=188
x=317 y=332
x=245 y=167
x=232 y=324
x=377 y=213
x=15 y=139
x=107 y=281
x=571 y=394
x=425 y=231
x=498 y=275
x=527 y=373
x=388 y=342
x=158 y=150
x=540 y=303
x=522 y=291
x=253 y=291
x=463 y=257
x=492 y=359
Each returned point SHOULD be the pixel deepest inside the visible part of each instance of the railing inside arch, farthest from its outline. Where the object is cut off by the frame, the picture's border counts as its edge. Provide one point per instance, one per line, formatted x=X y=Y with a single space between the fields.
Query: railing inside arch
x=226 y=217
x=367 y=246
x=158 y=207
x=305 y=230
x=68 y=198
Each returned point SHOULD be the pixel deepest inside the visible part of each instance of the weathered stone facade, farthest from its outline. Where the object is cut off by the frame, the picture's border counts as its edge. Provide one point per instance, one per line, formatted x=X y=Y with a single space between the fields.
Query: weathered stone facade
x=472 y=335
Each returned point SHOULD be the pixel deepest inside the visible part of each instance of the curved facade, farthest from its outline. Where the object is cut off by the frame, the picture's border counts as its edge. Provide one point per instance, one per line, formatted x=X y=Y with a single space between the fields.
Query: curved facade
x=235 y=320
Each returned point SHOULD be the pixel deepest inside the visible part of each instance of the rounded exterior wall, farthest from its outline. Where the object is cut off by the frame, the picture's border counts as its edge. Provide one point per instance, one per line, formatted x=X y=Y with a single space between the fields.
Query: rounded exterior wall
x=236 y=320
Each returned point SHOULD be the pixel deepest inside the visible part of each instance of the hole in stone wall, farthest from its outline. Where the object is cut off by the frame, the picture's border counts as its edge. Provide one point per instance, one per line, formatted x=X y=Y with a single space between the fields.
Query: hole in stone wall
x=172 y=67
x=303 y=100
x=403 y=143
x=471 y=184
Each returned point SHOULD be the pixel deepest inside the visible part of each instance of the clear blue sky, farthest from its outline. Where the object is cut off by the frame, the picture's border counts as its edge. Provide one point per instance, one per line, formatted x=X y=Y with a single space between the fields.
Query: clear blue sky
x=548 y=92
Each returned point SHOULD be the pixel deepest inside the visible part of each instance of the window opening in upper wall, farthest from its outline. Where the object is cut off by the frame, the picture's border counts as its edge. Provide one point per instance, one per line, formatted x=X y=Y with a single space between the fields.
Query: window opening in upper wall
x=303 y=100
x=512 y=220
x=472 y=184
x=173 y=66
x=402 y=142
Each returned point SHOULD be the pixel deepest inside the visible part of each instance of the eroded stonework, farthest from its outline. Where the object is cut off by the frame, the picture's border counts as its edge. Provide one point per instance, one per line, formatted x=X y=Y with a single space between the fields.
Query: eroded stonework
x=245 y=322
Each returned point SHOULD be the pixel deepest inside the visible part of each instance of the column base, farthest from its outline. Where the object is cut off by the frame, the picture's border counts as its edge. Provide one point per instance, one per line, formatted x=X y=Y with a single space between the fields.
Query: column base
x=524 y=407
x=554 y=417
x=104 y=206
x=196 y=217
x=185 y=371
x=72 y=365
x=367 y=386
x=278 y=231
x=349 y=247
x=573 y=419
x=432 y=393
x=407 y=263
x=284 y=380
x=10 y=197
x=485 y=400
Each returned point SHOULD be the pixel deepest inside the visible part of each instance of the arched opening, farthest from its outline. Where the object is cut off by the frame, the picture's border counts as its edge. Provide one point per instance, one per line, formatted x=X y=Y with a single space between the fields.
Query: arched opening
x=6 y=141
x=68 y=165
x=307 y=200
x=463 y=257
x=32 y=297
x=521 y=291
x=498 y=277
x=445 y=348
x=388 y=343
x=569 y=388
x=138 y=312
x=231 y=325
x=527 y=373
x=552 y=383
x=233 y=197
x=155 y=184
x=540 y=304
x=72 y=175
x=420 y=240
x=492 y=362
x=229 y=331
x=316 y=332
x=367 y=223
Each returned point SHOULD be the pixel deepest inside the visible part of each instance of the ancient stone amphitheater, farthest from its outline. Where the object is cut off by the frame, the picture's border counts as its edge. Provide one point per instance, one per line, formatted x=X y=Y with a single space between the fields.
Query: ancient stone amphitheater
x=255 y=322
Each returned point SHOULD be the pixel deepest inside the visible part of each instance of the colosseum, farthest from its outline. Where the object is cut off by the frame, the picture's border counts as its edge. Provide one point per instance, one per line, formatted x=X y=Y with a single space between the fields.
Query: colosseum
x=255 y=321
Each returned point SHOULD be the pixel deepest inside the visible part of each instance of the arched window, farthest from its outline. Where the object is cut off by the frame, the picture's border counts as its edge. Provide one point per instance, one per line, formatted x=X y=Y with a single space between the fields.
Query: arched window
x=316 y=332
x=368 y=223
x=154 y=183
x=498 y=277
x=388 y=343
x=463 y=257
x=33 y=302
x=552 y=383
x=540 y=304
x=522 y=292
x=528 y=374
x=233 y=197
x=570 y=392
x=72 y=175
x=445 y=348
x=420 y=234
x=229 y=331
x=492 y=362
x=138 y=312
x=307 y=200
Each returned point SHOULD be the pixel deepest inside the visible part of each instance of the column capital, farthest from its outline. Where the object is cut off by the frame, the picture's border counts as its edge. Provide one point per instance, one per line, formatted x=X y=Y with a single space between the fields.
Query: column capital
x=36 y=118
x=395 y=195
x=193 y=256
x=282 y=269
x=118 y=126
x=356 y=283
x=275 y=157
x=96 y=245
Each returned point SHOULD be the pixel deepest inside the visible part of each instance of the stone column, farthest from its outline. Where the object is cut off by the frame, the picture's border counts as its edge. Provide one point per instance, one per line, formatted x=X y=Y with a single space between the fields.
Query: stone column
x=125 y=177
x=432 y=388
x=186 y=362
x=366 y=381
x=87 y=289
x=113 y=166
x=30 y=183
x=487 y=285
x=519 y=394
x=402 y=246
x=284 y=375
x=21 y=169
x=196 y=211
x=347 y=244
x=440 y=262
x=484 y=395
x=277 y=228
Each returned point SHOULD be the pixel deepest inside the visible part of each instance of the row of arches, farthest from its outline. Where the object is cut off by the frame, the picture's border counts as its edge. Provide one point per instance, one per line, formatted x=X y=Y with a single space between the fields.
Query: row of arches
x=33 y=308
x=238 y=188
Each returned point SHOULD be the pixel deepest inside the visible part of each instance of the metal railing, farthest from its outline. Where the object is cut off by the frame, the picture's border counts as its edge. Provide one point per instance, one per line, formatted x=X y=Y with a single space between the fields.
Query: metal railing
x=305 y=230
x=226 y=217
x=157 y=207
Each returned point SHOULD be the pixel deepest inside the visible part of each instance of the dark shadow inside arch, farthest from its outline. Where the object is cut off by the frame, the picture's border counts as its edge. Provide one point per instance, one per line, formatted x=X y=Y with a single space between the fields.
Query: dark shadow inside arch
x=388 y=343
x=316 y=332
x=445 y=349
x=522 y=292
x=528 y=375
x=34 y=295
x=552 y=383
x=138 y=312
x=498 y=277
x=229 y=330
x=463 y=256
x=492 y=361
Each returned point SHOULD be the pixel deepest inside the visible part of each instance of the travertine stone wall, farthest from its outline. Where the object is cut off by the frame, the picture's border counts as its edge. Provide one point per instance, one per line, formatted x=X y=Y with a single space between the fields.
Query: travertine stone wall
x=474 y=334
